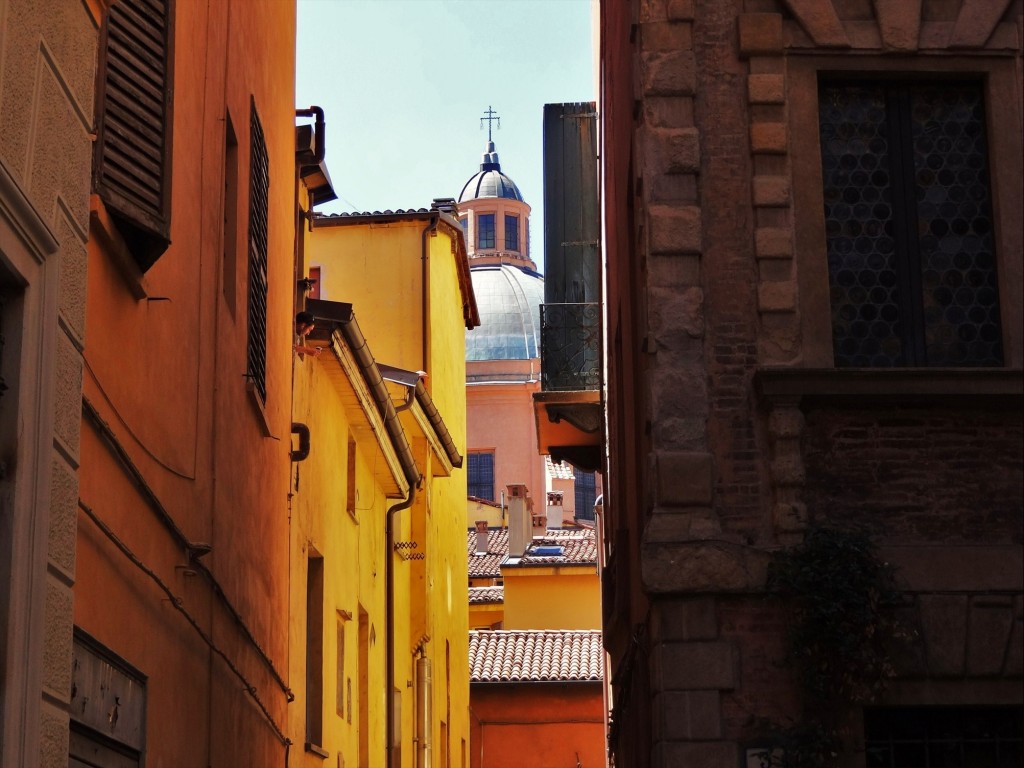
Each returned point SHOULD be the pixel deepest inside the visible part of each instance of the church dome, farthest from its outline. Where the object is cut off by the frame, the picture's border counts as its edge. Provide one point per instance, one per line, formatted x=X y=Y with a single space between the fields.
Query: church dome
x=509 y=299
x=489 y=181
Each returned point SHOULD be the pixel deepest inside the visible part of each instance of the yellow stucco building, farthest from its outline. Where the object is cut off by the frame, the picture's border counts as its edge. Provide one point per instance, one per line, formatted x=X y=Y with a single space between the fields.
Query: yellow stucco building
x=406 y=277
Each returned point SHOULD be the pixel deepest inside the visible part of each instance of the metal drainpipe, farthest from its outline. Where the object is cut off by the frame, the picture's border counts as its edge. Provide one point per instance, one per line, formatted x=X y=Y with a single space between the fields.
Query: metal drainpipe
x=389 y=620
x=431 y=226
x=424 y=693
x=319 y=130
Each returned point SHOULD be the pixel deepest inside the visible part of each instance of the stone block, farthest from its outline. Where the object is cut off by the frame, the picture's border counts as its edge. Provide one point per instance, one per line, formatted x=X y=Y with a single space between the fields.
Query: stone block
x=760 y=34
x=674 y=229
x=695 y=754
x=773 y=243
x=771 y=191
x=53 y=736
x=989 y=626
x=68 y=411
x=666 y=36
x=944 y=632
x=684 y=478
x=821 y=22
x=671 y=151
x=766 y=89
x=702 y=567
x=769 y=138
x=688 y=618
x=786 y=423
x=690 y=715
x=669 y=73
x=63 y=516
x=670 y=524
x=899 y=22
x=680 y=10
x=703 y=665
x=58 y=631
x=776 y=297
x=678 y=312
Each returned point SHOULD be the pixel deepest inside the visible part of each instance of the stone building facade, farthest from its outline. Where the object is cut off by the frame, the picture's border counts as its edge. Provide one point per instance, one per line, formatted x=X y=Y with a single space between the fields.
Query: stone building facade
x=813 y=304
x=47 y=72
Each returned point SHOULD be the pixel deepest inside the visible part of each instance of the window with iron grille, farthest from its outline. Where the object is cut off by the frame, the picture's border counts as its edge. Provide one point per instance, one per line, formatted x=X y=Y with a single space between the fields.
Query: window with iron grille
x=586 y=493
x=132 y=168
x=511 y=233
x=259 y=205
x=909 y=228
x=480 y=475
x=943 y=737
x=485 y=230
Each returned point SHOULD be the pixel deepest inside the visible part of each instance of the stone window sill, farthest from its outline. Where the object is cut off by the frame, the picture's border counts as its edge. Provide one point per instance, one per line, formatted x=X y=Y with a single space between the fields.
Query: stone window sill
x=317 y=750
x=975 y=387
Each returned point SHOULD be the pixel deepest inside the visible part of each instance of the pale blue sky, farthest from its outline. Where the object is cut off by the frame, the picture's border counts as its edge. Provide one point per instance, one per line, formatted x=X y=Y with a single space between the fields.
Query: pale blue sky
x=404 y=83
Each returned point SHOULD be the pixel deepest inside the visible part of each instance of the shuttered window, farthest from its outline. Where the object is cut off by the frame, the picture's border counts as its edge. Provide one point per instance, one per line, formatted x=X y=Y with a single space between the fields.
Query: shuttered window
x=132 y=164
x=259 y=206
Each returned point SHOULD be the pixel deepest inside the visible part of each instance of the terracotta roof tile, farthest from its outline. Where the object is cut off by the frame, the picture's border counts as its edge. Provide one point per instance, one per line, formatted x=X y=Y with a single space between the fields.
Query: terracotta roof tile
x=559 y=470
x=486 y=595
x=579 y=547
x=535 y=655
x=488 y=566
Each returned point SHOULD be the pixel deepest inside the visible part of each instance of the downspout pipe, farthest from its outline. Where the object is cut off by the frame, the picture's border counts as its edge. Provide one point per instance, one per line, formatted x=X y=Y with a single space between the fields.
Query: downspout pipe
x=389 y=625
x=424 y=282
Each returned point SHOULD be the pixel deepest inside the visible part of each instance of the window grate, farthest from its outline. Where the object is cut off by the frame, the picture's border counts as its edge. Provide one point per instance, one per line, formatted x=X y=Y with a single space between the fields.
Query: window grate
x=909 y=225
x=485 y=230
x=480 y=475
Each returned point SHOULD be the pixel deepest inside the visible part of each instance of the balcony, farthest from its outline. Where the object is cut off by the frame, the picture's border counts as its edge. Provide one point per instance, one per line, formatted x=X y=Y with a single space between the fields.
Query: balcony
x=570 y=347
x=568 y=409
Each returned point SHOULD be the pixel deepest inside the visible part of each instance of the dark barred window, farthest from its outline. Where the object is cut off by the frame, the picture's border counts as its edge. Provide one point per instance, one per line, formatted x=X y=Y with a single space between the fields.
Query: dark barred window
x=132 y=168
x=485 y=230
x=480 y=475
x=259 y=207
x=908 y=218
x=511 y=233
x=586 y=493
x=944 y=737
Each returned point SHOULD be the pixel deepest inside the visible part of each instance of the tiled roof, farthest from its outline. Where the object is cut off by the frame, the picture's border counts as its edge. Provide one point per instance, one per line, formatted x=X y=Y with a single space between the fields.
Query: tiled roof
x=579 y=547
x=486 y=595
x=488 y=566
x=559 y=470
x=534 y=655
x=388 y=212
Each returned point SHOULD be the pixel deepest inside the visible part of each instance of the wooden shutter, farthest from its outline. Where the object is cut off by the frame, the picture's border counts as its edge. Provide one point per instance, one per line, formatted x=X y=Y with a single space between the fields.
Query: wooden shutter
x=132 y=168
x=259 y=212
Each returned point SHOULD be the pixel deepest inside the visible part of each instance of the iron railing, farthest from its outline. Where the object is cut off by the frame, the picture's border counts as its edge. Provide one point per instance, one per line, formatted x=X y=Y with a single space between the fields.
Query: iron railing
x=570 y=347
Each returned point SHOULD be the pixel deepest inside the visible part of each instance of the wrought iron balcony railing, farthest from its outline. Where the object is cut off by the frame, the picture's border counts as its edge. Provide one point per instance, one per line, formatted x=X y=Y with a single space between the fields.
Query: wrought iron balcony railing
x=570 y=347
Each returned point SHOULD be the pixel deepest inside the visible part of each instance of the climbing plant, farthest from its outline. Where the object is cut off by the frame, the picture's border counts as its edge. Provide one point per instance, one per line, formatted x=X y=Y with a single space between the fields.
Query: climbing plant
x=842 y=629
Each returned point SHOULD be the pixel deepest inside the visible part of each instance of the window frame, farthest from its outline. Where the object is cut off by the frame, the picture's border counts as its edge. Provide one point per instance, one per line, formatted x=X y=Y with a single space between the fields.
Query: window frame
x=469 y=469
x=480 y=230
x=1005 y=158
x=514 y=246
x=910 y=258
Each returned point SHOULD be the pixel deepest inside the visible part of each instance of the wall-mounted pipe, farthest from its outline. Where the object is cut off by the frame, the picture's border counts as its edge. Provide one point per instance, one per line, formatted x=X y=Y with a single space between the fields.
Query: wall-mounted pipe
x=423 y=718
x=302 y=452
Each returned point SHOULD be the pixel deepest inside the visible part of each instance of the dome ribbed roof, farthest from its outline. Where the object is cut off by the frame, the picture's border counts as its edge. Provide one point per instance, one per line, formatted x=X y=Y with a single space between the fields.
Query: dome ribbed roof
x=489 y=181
x=509 y=300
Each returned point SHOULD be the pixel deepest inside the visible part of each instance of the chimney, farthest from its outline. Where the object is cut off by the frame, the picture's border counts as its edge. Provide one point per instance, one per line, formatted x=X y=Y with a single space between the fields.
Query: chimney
x=520 y=524
x=481 y=537
x=556 y=516
x=445 y=205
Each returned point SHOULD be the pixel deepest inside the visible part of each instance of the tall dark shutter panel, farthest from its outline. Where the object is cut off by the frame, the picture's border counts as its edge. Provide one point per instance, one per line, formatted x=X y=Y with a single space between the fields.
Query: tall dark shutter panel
x=132 y=163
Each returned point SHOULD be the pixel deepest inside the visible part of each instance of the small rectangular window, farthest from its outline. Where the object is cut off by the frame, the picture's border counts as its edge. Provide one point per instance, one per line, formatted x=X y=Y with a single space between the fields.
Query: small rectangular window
x=485 y=230
x=480 y=475
x=350 y=479
x=511 y=233
x=585 y=486
x=314 y=651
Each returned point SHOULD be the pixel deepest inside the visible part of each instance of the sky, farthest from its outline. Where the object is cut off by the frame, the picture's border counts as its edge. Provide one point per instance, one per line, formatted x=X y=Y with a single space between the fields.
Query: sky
x=404 y=83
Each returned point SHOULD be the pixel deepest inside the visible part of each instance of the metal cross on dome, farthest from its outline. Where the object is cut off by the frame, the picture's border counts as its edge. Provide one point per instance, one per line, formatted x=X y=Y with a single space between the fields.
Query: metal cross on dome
x=490 y=116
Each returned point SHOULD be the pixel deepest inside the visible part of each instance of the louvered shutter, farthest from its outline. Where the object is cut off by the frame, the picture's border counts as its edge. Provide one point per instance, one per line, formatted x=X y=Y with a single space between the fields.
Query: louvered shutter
x=259 y=213
x=132 y=169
